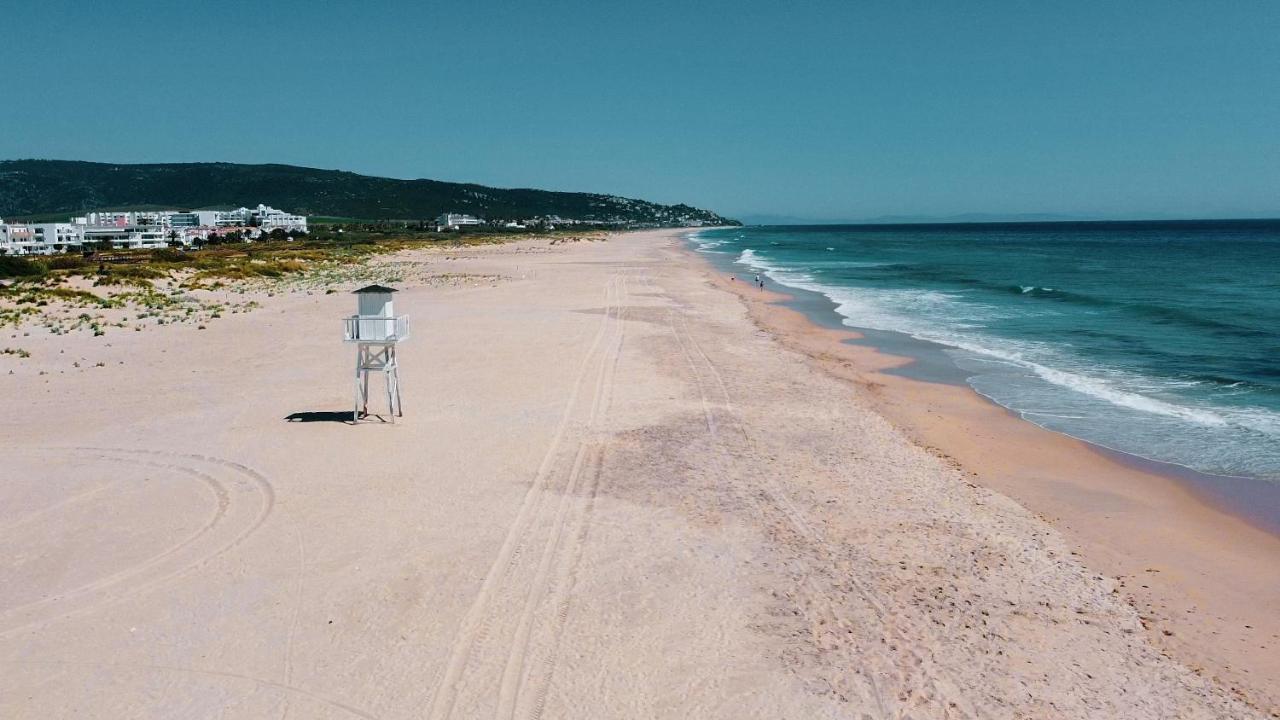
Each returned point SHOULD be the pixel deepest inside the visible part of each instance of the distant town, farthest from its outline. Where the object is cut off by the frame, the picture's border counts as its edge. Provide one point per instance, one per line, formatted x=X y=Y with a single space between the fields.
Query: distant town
x=149 y=229
x=194 y=229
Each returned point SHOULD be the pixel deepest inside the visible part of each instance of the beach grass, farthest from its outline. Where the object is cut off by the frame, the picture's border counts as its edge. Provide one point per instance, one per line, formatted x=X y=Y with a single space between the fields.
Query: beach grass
x=132 y=290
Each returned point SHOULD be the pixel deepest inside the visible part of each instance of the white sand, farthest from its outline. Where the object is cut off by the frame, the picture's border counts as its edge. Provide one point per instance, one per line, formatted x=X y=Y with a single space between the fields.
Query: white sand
x=611 y=496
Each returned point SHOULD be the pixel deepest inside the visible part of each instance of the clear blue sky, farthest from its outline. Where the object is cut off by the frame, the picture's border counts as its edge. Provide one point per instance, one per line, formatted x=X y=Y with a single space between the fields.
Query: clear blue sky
x=819 y=109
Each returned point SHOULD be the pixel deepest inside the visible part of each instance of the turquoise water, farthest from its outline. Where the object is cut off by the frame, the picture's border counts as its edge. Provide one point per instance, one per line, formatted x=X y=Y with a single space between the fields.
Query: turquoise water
x=1159 y=339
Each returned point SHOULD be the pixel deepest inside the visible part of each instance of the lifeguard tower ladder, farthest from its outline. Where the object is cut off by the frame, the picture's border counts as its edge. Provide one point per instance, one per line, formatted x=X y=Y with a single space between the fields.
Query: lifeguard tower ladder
x=376 y=330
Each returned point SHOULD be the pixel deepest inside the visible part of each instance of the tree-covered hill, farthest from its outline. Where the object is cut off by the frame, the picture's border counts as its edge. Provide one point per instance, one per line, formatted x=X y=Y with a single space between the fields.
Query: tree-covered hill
x=44 y=187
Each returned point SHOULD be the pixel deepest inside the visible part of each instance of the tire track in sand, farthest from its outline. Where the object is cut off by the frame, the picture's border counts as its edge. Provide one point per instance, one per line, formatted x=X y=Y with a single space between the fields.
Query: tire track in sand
x=524 y=684
x=234 y=521
x=243 y=497
x=533 y=566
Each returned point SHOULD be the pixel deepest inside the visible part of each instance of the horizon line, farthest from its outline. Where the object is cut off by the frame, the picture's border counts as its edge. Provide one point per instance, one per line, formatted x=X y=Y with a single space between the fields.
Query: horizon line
x=1057 y=221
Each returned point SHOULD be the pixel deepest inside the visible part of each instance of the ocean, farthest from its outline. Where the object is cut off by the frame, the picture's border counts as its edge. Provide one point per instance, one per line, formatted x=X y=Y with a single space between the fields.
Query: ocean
x=1156 y=339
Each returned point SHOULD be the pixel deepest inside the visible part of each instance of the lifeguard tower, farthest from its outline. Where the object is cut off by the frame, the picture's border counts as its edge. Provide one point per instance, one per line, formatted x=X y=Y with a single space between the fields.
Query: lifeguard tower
x=376 y=329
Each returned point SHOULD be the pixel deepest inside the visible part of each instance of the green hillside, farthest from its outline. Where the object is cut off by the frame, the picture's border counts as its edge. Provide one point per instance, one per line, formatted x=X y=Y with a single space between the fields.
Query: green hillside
x=48 y=187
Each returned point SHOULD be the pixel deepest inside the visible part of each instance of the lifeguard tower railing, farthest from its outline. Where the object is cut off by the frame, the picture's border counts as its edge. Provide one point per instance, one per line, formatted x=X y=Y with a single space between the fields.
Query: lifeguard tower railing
x=376 y=329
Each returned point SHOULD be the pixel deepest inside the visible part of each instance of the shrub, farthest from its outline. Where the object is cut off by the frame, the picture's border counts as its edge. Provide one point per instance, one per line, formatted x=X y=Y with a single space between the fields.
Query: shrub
x=137 y=272
x=68 y=261
x=135 y=275
x=16 y=267
x=171 y=255
x=79 y=296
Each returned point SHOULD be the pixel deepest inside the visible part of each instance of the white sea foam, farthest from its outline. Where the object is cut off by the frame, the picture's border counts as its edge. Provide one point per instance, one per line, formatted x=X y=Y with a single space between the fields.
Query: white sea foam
x=1104 y=390
x=749 y=258
x=1031 y=368
x=703 y=242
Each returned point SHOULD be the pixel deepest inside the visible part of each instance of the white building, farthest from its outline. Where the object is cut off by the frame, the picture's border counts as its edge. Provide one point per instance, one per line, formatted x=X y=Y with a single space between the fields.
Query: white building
x=269 y=219
x=106 y=218
x=5 y=242
x=261 y=216
x=16 y=239
x=184 y=220
x=142 y=230
x=453 y=221
x=205 y=218
x=49 y=238
x=129 y=237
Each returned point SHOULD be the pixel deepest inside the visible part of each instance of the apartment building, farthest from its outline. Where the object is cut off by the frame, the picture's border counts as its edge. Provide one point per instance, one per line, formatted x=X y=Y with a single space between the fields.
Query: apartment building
x=15 y=239
x=453 y=221
x=128 y=237
x=50 y=238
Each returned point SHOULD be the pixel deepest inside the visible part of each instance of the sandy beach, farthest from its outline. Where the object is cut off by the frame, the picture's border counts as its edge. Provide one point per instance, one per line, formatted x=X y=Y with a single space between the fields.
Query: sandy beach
x=1205 y=581
x=623 y=487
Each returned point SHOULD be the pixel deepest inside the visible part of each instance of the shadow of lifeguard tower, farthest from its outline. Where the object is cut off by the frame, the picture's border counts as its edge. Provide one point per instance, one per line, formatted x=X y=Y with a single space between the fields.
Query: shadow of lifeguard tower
x=376 y=330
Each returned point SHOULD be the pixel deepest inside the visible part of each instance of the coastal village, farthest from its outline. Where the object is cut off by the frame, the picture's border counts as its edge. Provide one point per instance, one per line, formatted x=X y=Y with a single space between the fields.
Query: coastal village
x=194 y=229
x=147 y=230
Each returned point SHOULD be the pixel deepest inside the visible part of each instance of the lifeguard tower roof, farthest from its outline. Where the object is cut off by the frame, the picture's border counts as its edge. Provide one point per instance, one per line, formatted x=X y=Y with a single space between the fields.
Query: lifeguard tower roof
x=374 y=289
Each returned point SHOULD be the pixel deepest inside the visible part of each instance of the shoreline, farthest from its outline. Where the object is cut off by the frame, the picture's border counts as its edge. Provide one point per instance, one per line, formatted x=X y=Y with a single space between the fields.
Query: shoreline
x=1252 y=500
x=1205 y=579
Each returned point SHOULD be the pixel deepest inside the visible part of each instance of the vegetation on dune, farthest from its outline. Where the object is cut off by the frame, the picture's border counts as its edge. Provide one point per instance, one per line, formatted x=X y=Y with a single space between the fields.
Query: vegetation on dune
x=234 y=258
x=20 y=267
x=112 y=290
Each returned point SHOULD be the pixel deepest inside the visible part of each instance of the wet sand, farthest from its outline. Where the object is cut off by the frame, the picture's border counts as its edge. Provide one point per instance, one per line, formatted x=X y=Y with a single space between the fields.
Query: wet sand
x=1205 y=580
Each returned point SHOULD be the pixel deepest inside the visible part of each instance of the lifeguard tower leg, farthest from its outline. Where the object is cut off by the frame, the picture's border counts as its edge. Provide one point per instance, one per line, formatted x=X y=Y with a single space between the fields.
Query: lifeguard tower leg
x=391 y=405
x=364 y=394
x=395 y=371
x=399 y=408
x=355 y=414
